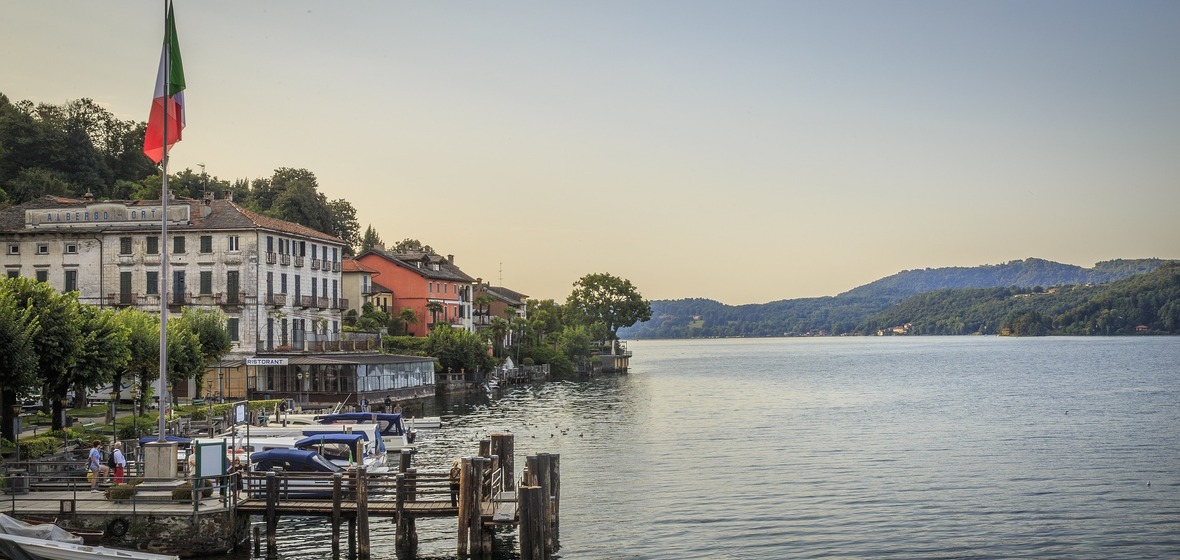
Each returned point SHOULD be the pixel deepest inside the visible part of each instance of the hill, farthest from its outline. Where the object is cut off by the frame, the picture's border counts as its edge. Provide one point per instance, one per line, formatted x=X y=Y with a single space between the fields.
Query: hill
x=868 y=308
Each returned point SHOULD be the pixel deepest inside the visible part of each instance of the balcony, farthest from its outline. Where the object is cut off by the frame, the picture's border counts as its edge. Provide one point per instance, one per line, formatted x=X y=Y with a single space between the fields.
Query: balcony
x=276 y=300
x=272 y=258
x=315 y=264
x=180 y=298
x=321 y=303
x=341 y=304
x=123 y=300
x=299 y=261
x=231 y=299
x=305 y=301
x=335 y=267
x=285 y=260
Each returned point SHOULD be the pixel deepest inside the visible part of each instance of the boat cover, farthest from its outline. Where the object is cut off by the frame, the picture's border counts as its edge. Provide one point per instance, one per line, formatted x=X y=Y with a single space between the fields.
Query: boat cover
x=44 y=531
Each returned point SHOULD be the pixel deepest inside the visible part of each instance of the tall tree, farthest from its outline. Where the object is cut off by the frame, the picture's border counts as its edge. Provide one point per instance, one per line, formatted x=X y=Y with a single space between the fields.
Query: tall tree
x=408 y=245
x=143 y=342
x=18 y=358
x=59 y=343
x=209 y=327
x=344 y=224
x=370 y=239
x=104 y=351
x=602 y=298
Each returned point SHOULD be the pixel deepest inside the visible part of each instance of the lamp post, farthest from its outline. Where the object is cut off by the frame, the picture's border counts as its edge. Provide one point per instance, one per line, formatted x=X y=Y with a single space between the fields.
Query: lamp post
x=299 y=389
x=135 y=411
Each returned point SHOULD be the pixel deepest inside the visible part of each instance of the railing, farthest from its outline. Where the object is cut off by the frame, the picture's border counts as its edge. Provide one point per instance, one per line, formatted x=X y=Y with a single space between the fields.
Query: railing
x=284 y=259
x=341 y=303
x=122 y=299
x=180 y=298
x=272 y=258
x=298 y=261
x=322 y=303
x=277 y=300
x=306 y=301
x=315 y=264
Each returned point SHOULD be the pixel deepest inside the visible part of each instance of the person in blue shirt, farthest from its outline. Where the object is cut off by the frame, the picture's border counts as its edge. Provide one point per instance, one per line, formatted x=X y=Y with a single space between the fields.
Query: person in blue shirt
x=94 y=465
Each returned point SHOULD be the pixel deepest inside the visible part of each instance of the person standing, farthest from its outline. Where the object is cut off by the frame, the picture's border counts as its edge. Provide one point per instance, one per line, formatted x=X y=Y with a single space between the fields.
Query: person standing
x=120 y=463
x=455 y=471
x=94 y=465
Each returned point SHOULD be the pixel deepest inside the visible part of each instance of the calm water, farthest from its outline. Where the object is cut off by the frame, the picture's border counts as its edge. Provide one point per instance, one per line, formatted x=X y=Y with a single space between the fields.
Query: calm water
x=965 y=447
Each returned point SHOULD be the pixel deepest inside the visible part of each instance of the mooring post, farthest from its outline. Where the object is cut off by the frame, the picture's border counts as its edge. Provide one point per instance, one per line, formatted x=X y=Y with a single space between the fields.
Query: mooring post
x=532 y=540
x=352 y=537
x=485 y=447
x=337 y=490
x=530 y=470
x=362 y=513
x=257 y=541
x=502 y=446
x=272 y=515
x=544 y=471
x=464 y=503
x=484 y=535
x=405 y=457
x=555 y=488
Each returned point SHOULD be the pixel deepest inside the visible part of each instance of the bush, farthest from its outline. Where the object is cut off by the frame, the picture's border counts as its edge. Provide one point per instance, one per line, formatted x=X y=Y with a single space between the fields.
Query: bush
x=121 y=491
x=184 y=492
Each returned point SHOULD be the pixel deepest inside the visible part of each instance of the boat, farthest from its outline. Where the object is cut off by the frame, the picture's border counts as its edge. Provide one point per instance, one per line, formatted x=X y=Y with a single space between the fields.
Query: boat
x=30 y=548
x=387 y=426
x=89 y=536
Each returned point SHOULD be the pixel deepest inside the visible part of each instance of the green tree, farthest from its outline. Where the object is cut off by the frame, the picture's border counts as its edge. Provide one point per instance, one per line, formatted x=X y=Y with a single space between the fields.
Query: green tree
x=458 y=349
x=408 y=317
x=370 y=239
x=104 y=352
x=209 y=327
x=575 y=342
x=611 y=301
x=434 y=308
x=344 y=224
x=59 y=342
x=408 y=245
x=18 y=359
x=143 y=344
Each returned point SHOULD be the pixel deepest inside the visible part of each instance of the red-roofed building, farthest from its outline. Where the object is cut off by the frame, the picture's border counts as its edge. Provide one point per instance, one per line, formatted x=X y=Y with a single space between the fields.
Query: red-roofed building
x=431 y=285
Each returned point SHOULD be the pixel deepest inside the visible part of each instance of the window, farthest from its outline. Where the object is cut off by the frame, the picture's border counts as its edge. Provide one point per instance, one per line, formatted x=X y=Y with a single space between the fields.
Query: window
x=42 y=248
x=13 y=249
x=334 y=255
x=206 y=243
x=233 y=286
x=282 y=283
x=206 y=282
x=231 y=325
x=124 y=245
x=71 y=249
x=153 y=245
x=299 y=285
x=270 y=244
x=42 y=275
x=125 y=287
x=324 y=291
x=71 y=281
x=178 y=244
x=314 y=252
x=303 y=248
x=233 y=243
x=313 y=290
x=153 y=282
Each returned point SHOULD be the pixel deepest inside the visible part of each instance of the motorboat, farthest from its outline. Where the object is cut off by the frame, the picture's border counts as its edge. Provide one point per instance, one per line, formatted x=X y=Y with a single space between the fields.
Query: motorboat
x=306 y=473
x=30 y=548
x=386 y=426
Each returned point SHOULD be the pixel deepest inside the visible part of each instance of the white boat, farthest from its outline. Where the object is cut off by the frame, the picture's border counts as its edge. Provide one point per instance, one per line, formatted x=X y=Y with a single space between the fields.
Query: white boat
x=43 y=549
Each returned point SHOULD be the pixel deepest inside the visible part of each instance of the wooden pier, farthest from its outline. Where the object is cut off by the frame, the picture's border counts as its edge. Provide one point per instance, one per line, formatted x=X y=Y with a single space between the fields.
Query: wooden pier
x=487 y=499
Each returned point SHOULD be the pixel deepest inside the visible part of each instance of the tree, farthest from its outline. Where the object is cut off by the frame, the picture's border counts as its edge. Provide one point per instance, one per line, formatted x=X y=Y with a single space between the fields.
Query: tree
x=408 y=245
x=212 y=335
x=59 y=343
x=143 y=344
x=434 y=308
x=408 y=317
x=344 y=224
x=104 y=353
x=370 y=239
x=458 y=349
x=499 y=329
x=606 y=299
x=18 y=359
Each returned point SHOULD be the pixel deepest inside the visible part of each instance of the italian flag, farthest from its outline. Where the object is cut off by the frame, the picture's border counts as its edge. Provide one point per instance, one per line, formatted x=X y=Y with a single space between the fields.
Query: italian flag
x=169 y=95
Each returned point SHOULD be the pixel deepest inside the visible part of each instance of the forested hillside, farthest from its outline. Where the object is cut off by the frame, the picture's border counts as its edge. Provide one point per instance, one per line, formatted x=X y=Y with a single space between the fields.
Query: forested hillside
x=957 y=300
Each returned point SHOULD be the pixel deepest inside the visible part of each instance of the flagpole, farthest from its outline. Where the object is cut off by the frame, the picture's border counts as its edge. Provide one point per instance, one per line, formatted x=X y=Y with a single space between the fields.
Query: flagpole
x=164 y=396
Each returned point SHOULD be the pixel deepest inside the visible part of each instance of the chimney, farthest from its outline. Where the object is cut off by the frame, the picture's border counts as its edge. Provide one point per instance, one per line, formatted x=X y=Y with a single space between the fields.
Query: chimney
x=207 y=207
x=451 y=259
x=88 y=197
x=379 y=246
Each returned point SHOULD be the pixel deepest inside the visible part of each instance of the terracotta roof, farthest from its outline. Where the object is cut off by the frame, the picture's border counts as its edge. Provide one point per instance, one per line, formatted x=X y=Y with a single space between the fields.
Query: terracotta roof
x=283 y=225
x=353 y=265
x=506 y=294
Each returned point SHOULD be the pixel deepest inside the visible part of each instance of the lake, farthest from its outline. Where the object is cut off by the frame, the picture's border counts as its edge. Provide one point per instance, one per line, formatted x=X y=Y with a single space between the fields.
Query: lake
x=902 y=447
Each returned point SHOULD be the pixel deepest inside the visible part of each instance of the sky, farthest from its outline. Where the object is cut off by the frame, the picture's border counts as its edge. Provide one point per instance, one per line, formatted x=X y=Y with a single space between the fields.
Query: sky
x=744 y=151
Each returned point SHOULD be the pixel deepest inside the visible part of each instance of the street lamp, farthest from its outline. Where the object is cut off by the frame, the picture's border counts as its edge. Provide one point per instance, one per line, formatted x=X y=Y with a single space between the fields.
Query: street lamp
x=299 y=389
x=114 y=416
x=135 y=410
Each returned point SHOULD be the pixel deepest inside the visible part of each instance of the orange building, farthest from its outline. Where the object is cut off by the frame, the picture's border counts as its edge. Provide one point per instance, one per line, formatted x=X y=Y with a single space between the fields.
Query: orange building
x=431 y=285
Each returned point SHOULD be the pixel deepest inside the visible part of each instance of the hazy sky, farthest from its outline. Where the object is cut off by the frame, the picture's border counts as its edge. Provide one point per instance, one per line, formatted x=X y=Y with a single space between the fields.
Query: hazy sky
x=737 y=150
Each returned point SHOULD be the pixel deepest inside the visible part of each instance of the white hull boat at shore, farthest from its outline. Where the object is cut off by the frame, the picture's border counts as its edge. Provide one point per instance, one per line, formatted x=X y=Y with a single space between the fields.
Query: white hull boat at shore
x=42 y=549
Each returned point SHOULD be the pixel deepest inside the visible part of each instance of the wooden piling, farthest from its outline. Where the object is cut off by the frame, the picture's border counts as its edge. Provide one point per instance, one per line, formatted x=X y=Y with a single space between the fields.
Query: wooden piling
x=337 y=496
x=404 y=460
x=555 y=488
x=272 y=516
x=544 y=480
x=532 y=512
x=257 y=541
x=503 y=447
x=465 y=505
x=362 y=513
x=352 y=537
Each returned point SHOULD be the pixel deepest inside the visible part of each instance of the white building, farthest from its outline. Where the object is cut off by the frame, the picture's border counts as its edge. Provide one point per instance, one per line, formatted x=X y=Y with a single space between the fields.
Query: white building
x=277 y=282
